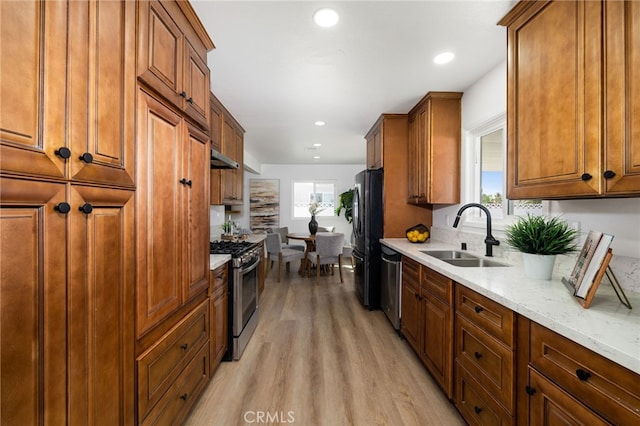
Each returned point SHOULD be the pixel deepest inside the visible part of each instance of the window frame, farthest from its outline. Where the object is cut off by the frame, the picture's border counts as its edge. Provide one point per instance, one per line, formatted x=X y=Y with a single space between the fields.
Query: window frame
x=472 y=172
x=315 y=182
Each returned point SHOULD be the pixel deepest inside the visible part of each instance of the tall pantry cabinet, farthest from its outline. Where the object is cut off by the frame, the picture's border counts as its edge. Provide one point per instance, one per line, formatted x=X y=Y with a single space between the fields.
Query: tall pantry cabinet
x=67 y=181
x=172 y=211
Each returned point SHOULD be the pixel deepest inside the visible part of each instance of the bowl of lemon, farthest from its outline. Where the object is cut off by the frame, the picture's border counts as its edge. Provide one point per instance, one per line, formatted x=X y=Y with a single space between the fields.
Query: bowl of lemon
x=417 y=234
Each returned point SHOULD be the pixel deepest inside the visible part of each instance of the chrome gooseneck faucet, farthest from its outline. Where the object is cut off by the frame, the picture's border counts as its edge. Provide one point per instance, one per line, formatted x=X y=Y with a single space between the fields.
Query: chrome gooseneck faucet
x=489 y=240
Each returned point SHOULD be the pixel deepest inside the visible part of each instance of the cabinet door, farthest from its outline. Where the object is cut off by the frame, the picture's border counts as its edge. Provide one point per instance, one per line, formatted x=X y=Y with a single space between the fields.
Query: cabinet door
x=215 y=123
x=32 y=100
x=102 y=92
x=219 y=328
x=549 y=405
x=196 y=86
x=437 y=341
x=238 y=192
x=410 y=322
x=100 y=307
x=622 y=34
x=32 y=300
x=196 y=213
x=554 y=96
x=412 y=160
x=158 y=211
x=160 y=51
x=228 y=183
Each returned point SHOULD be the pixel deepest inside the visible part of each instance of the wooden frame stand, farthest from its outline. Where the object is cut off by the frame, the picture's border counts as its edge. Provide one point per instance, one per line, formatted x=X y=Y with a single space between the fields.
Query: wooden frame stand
x=605 y=269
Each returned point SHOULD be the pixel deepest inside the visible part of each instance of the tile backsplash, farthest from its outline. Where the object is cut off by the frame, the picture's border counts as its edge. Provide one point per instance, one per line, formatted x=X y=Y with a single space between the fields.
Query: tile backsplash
x=626 y=269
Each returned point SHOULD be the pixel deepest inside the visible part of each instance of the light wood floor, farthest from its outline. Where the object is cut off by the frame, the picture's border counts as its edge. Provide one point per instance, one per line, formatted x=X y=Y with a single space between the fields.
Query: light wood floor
x=319 y=358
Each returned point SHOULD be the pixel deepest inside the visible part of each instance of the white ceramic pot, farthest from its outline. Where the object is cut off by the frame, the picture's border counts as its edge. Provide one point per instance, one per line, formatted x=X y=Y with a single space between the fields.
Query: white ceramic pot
x=538 y=266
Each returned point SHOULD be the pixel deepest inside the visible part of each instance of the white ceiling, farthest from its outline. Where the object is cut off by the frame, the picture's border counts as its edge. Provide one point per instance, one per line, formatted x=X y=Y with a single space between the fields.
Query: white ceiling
x=278 y=72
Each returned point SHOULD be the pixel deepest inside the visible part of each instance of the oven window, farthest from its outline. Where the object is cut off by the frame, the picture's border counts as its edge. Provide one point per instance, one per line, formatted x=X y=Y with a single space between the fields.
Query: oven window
x=249 y=294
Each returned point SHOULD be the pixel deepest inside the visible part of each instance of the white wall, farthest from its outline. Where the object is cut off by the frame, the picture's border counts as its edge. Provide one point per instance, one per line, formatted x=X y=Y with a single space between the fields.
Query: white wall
x=621 y=217
x=344 y=175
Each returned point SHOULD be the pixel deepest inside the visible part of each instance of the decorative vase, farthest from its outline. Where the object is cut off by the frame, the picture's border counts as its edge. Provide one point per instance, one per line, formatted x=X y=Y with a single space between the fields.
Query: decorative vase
x=313 y=225
x=538 y=266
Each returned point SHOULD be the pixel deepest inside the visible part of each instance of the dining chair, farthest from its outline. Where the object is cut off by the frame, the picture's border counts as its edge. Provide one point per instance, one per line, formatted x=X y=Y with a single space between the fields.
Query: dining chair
x=328 y=251
x=284 y=231
x=282 y=255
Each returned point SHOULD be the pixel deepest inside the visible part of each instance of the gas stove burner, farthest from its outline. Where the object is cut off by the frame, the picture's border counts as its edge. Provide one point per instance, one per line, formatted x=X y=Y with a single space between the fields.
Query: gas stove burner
x=234 y=248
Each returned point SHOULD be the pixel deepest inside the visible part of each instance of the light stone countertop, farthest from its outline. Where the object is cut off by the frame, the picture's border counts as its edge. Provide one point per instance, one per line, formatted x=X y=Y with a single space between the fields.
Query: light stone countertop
x=607 y=327
x=217 y=260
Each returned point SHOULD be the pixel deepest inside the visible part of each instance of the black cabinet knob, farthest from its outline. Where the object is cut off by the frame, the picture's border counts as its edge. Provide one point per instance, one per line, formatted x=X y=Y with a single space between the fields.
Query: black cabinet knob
x=86 y=208
x=183 y=181
x=478 y=355
x=183 y=94
x=184 y=346
x=87 y=158
x=63 y=152
x=530 y=391
x=608 y=174
x=184 y=396
x=586 y=176
x=63 y=208
x=478 y=309
x=477 y=409
x=189 y=183
x=190 y=100
x=582 y=374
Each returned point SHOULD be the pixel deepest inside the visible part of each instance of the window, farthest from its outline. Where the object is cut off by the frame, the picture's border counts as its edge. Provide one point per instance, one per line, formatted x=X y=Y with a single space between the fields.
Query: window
x=487 y=184
x=305 y=193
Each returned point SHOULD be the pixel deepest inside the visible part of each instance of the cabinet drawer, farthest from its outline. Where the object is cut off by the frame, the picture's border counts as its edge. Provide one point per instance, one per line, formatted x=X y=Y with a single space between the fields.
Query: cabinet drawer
x=437 y=284
x=163 y=362
x=607 y=388
x=218 y=280
x=410 y=271
x=490 y=316
x=550 y=405
x=489 y=360
x=475 y=404
x=178 y=400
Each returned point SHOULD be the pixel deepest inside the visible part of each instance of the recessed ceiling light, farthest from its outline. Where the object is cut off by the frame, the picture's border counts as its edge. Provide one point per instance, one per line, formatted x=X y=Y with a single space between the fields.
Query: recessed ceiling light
x=326 y=17
x=317 y=144
x=319 y=123
x=316 y=157
x=444 y=58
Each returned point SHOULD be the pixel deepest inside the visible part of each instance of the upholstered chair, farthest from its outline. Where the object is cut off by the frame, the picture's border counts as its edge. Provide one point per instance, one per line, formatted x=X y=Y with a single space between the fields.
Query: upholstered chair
x=328 y=251
x=282 y=255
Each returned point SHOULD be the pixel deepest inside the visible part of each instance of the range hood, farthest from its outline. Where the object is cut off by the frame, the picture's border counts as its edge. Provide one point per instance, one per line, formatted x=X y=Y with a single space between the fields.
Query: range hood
x=219 y=161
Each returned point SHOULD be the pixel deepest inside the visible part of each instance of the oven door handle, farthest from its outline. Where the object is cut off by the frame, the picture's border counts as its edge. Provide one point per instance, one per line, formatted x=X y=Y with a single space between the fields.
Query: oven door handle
x=250 y=267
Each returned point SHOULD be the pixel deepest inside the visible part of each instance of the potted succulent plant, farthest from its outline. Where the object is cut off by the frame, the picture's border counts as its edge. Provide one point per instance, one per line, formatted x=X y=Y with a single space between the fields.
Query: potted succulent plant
x=540 y=239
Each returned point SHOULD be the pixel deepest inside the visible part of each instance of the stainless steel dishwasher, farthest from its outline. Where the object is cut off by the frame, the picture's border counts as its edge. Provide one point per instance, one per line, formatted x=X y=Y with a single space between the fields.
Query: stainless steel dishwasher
x=391 y=285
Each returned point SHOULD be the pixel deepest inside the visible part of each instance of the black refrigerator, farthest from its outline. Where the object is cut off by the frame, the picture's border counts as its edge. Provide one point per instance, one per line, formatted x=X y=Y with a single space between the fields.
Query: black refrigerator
x=367 y=231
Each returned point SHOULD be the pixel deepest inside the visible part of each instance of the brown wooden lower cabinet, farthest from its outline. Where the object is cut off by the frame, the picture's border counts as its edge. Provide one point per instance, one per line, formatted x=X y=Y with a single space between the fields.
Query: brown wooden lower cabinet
x=474 y=402
x=164 y=366
x=218 y=310
x=507 y=369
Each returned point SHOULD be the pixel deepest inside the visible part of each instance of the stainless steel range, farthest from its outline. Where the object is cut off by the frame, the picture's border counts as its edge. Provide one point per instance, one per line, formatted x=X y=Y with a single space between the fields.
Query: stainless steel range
x=243 y=292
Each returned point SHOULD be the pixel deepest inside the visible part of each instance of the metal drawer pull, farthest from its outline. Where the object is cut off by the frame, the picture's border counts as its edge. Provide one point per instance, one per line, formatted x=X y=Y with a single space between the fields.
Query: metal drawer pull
x=477 y=409
x=184 y=346
x=478 y=355
x=583 y=375
x=184 y=396
x=478 y=309
x=530 y=391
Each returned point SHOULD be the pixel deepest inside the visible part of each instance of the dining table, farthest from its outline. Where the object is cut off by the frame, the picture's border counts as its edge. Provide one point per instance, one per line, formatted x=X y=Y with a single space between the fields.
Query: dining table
x=310 y=243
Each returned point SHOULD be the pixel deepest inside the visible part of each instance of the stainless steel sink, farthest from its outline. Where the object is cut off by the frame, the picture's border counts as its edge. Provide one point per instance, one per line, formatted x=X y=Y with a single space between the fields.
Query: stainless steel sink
x=461 y=258
x=449 y=254
x=473 y=262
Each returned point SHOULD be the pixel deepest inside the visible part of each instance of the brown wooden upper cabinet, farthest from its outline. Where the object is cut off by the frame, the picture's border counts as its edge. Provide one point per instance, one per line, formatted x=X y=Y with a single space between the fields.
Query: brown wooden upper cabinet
x=227 y=137
x=172 y=57
x=573 y=112
x=82 y=130
x=434 y=149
